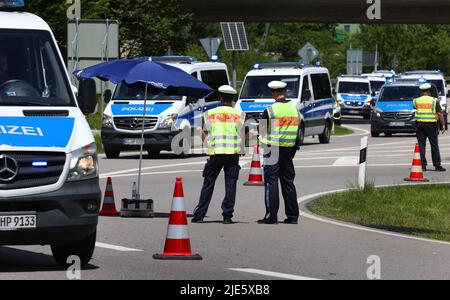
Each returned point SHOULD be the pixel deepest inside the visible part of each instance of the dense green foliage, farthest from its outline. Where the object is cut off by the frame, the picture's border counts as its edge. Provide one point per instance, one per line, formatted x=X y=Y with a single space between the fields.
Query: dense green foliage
x=148 y=27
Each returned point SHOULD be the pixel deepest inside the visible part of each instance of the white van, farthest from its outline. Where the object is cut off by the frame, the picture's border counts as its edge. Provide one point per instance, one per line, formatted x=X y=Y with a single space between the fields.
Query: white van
x=309 y=89
x=377 y=81
x=354 y=94
x=168 y=115
x=49 y=185
x=434 y=77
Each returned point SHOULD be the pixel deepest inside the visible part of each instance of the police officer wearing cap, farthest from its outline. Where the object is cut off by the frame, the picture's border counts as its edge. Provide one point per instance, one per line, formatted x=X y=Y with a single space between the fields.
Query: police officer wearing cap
x=428 y=112
x=223 y=127
x=279 y=128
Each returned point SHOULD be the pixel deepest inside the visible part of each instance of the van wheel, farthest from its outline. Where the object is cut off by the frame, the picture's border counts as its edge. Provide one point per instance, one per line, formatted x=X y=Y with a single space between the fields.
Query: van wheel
x=153 y=153
x=326 y=136
x=388 y=134
x=83 y=249
x=375 y=134
x=111 y=154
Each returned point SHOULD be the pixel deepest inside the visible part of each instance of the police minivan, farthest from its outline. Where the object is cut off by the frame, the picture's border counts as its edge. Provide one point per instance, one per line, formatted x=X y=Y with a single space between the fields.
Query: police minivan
x=308 y=88
x=49 y=184
x=354 y=94
x=167 y=116
x=377 y=80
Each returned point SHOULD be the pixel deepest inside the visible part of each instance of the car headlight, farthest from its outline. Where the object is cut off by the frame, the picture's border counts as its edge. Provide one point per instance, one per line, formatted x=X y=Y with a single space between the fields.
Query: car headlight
x=168 y=122
x=84 y=163
x=107 y=121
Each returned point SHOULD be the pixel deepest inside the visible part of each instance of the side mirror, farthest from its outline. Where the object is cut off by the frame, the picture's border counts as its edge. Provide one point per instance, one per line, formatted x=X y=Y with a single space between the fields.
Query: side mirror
x=373 y=103
x=107 y=95
x=191 y=100
x=87 y=96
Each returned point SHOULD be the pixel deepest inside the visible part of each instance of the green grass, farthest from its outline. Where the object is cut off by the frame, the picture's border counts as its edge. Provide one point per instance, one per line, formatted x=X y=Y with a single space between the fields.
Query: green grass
x=95 y=120
x=339 y=131
x=98 y=142
x=422 y=211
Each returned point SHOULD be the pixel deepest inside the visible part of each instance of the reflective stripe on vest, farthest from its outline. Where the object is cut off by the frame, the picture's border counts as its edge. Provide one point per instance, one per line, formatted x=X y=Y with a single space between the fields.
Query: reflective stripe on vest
x=224 y=124
x=426 y=109
x=284 y=125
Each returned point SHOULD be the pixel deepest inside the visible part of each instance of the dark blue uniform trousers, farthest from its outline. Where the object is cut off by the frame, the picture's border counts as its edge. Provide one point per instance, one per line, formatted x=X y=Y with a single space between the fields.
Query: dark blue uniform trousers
x=280 y=170
x=215 y=164
x=429 y=131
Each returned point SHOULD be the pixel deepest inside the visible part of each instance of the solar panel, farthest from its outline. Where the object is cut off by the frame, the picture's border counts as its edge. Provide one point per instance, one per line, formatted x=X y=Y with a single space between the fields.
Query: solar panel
x=235 y=36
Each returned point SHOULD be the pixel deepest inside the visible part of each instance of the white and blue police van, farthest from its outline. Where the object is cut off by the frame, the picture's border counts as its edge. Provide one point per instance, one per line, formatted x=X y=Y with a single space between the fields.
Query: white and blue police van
x=377 y=81
x=434 y=77
x=308 y=89
x=166 y=116
x=354 y=94
x=49 y=178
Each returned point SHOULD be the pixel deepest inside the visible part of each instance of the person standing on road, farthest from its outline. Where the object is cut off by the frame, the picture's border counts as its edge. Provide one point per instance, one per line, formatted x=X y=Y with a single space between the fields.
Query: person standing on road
x=280 y=129
x=428 y=112
x=224 y=127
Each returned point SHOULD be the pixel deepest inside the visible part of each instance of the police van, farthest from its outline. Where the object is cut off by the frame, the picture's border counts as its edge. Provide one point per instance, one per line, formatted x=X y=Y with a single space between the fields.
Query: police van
x=308 y=88
x=354 y=93
x=167 y=116
x=377 y=80
x=394 y=111
x=434 y=77
x=49 y=184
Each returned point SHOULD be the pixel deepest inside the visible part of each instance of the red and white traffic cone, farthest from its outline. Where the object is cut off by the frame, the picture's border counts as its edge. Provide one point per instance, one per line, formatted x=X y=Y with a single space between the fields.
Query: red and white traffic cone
x=256 y=171
x=178 y=243
x=109 y=203
x=417 y=171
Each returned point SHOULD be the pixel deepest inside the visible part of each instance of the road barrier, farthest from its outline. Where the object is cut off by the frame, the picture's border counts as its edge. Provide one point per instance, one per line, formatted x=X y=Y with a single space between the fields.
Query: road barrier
x=256 y=171
x=417 y=170
x=109 y=203
x=363 y=163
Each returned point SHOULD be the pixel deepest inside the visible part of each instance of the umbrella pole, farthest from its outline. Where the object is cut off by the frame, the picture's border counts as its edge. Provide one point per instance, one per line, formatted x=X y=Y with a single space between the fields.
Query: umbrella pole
x=138 y=196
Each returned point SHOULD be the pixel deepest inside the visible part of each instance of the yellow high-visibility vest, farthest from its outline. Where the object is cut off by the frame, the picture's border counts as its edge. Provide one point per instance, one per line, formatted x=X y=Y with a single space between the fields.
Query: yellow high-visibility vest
x=426 y=109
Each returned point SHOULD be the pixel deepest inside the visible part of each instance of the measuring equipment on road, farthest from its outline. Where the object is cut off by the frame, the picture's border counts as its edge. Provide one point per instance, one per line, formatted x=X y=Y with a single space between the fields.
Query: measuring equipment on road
x=137 y=208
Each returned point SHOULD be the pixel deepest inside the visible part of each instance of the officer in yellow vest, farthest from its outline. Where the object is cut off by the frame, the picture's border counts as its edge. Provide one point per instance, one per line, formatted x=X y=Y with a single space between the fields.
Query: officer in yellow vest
x=280 y=141
x=223 y=126
x=428 y=112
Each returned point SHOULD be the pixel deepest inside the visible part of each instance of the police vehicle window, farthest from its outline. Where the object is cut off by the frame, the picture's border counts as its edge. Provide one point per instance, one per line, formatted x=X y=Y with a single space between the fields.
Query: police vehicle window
x=256 y=87
x=322 y=86
x=346 y=87
x=137 y=92
x=32 y=74
x=195 y=75
x=214 y=79
x=306 y=89
x=399 y=93
x=376 y=85
x=440 y=86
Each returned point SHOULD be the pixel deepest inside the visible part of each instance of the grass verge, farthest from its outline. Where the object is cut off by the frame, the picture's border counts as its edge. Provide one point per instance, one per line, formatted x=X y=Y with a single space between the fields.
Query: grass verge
x=98 y=142
x=422 y=211
x=340 y=131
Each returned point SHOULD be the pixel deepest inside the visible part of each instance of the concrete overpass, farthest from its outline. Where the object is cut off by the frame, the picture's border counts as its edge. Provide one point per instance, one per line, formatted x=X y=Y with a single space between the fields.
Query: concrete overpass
x=321 y=11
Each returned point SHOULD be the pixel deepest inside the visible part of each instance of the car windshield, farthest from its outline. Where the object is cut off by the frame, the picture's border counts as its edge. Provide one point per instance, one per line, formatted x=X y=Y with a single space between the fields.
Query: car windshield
x=31 y=73
x=360 y=88
x=137 y=92
x=256 y=87
x=400 y=93
x=376 y=85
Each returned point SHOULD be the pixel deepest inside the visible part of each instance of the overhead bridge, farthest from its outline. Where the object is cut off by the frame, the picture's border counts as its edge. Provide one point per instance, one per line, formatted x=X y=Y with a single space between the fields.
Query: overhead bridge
x=322 y=11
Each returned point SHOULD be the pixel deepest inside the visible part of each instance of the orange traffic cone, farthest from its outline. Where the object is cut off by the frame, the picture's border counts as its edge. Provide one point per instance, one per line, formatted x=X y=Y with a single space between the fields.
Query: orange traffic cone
x=417 y=171
x=178 y=244
x=109 y=204
x=256 y=171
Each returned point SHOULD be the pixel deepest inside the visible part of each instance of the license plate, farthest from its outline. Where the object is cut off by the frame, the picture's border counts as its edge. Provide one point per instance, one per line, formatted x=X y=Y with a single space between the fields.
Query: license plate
x=354 y=112
x=132 y=142
x=15 y=222
x=397 y=124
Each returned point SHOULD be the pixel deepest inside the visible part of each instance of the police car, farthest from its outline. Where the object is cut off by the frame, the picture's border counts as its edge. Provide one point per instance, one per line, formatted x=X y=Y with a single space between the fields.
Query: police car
x=436 y=78
x=354 y=94
x=309 y=89
x=49 y=185
x=167 y=116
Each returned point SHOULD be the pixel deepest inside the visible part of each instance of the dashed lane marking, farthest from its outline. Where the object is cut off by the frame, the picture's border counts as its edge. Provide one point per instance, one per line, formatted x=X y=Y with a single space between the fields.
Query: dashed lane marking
x=274 y=274
x=116 y=248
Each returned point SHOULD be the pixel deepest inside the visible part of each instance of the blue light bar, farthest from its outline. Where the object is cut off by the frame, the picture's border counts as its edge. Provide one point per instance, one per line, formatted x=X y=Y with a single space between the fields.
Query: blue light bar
x=40 y=164
x=12 y=5
x=215 y=58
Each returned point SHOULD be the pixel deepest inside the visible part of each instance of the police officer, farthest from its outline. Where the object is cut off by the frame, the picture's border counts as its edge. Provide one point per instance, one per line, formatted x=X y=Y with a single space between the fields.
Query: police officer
x=223 y=125
x=280 y=141
x=428 y=111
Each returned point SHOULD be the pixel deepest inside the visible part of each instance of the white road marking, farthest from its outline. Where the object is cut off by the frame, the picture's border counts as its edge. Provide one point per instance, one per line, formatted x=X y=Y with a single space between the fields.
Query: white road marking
x=274 y=274
x=116 y=248
x=346 y=162
x=309 y=198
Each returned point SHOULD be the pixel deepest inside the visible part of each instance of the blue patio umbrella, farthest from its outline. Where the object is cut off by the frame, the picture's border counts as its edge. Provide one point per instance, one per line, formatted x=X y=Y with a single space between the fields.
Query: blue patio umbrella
x=157 y=77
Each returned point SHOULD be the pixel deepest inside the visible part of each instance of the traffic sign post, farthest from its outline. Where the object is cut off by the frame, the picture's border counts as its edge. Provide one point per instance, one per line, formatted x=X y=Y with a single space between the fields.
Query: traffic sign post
x=211 y=46
x=308 y=53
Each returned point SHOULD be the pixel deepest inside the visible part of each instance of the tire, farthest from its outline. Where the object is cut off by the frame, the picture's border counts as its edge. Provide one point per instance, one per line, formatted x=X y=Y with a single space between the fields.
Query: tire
x=325 y=137
x=84 y=249
x=153 y=153
x=338 y=122
x=446 y=122
x=387 y=134
x=302 y=135
x=112 y=154
x=375 y=134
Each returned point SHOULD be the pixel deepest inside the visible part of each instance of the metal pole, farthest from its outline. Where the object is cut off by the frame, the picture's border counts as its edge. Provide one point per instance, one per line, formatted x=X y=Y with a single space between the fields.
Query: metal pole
x=234 y=70
x=363 y=163
x=138 y=195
